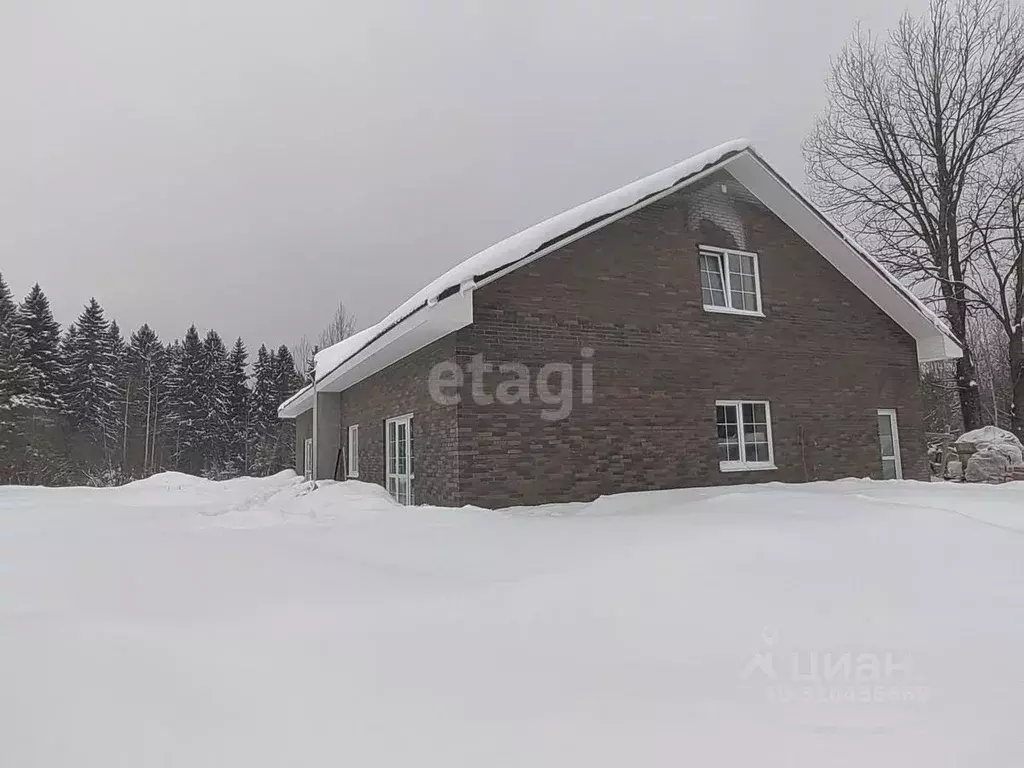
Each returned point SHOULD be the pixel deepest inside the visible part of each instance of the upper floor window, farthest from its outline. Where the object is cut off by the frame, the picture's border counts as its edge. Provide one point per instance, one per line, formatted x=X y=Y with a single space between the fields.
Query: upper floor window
x=730 y=281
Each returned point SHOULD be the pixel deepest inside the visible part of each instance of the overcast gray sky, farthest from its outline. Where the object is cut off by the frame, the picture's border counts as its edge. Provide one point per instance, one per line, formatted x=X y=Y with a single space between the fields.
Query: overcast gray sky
x=245 y=164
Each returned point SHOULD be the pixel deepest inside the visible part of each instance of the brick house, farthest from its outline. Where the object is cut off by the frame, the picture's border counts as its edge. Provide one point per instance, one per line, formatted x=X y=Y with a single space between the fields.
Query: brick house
x=705 y=325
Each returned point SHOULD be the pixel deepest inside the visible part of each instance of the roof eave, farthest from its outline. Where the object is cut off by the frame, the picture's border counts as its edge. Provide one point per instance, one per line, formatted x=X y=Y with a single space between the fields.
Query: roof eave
x=935 y=340
x=937 y=348
x=297 y=404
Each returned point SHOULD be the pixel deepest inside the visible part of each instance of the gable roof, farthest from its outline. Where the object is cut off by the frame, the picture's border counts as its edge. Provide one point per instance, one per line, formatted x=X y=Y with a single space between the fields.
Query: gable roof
x=448 y=301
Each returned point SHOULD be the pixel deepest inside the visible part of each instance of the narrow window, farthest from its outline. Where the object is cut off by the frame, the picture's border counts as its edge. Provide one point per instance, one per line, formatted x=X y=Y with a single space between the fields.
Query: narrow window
x=399 y=458
x=307 y=458
x=730 y=281
x=353 y=451
x=889 y=442
x=744 y=435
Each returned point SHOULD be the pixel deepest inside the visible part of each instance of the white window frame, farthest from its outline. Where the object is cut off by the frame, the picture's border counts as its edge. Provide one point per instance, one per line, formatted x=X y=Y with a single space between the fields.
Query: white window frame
x=722 y=255
x=742 y=465
x=307 y=458
x=393 y=479
x=891 y=413
x=353 y=451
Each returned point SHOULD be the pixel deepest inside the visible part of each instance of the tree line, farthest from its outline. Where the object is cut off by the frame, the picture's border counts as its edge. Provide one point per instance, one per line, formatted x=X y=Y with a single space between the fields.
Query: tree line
x=920 y=151
x=87 y=405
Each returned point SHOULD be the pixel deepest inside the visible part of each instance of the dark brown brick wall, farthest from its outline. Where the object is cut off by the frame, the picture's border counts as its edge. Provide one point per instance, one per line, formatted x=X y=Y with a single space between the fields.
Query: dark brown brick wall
x=397 y=390
x=824 y=356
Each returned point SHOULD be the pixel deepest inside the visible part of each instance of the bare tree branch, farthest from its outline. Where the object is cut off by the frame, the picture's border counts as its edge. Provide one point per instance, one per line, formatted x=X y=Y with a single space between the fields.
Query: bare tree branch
x=342 y=325
x=913 y=126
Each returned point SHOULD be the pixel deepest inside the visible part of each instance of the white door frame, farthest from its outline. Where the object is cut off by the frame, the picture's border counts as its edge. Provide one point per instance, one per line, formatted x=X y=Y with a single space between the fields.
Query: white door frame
x=400 y=484
x=894 y=426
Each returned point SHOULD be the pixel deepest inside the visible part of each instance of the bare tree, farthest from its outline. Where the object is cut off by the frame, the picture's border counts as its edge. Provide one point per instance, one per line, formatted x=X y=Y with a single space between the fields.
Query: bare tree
x=302 y=351
x=939 y=397
x=910 y=124
x=342 y=325
x=996 y=241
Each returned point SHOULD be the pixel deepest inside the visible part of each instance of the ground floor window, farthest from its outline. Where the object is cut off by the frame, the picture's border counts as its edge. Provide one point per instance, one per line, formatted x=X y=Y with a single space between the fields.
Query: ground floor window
x=744 y=435
x=307 y=458
x=889 y=442
x=353 y=451
x=399 y=458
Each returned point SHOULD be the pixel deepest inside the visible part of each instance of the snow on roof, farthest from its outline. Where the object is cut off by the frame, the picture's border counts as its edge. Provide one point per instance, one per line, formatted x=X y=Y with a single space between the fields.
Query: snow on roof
x=329 y=358
x=527 y=242
x=306 y=390
x=533 y=240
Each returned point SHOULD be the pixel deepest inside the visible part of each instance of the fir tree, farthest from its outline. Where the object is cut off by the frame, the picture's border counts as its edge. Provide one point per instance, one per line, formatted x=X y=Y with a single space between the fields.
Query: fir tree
x=120 y=393
x=68 y=343
x=263 y=413
x=16 y=385
x=145 y=360
x=167 y=443
x=238 y=407
x=42 y=341
x=287 y=381
x=90 y=393
x=263 y=391
x=215 y=395
x=41 y=456
x=188 y=404
x=16 y=376
x=115 y=342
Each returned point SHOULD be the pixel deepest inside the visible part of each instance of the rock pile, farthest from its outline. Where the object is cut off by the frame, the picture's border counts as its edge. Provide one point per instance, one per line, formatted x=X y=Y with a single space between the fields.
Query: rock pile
x=989 y=455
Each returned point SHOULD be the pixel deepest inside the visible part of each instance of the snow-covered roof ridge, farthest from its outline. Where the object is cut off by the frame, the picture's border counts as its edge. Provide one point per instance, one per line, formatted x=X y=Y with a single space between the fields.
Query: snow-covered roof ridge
x=528 y=241
x=739 y=157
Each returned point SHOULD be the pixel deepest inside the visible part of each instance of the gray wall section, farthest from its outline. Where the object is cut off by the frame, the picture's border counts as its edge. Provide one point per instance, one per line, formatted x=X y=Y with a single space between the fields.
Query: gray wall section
x=329 y=440
x=303 y=429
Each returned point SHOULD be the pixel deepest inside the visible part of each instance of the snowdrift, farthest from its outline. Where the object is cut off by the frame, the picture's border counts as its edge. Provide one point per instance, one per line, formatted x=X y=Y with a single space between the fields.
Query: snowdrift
x=260 y=622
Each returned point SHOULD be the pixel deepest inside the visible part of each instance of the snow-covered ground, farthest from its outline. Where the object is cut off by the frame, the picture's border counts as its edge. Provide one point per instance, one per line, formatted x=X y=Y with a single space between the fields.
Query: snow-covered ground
x=179 y=622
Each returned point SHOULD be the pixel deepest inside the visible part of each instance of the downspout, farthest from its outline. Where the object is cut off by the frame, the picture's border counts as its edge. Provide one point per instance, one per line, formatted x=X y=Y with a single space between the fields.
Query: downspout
x=316 y=428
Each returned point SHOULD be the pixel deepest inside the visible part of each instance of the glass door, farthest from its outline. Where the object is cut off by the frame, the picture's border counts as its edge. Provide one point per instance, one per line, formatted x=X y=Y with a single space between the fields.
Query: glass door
x=889 y=442
x=398 y=438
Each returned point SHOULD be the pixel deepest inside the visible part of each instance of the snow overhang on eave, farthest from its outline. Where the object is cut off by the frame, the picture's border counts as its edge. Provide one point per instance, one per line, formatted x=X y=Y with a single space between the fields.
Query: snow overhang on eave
x=934 y=340
x=423 y=326
x=297 y=404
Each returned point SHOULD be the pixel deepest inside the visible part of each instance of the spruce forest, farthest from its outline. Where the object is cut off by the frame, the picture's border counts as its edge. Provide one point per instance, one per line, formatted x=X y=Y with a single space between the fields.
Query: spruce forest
x=89 y=406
